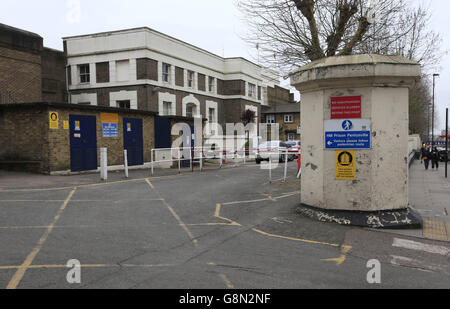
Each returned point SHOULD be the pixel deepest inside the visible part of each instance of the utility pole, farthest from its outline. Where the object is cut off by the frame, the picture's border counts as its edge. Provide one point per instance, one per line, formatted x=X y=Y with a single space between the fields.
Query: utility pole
x=432 y=117
x=446 y=143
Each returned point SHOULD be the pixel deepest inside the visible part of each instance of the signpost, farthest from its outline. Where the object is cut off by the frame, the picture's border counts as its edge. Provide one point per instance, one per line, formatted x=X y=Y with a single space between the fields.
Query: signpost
x=54 y=120
x=345 y=165
x=346 y=107
x=348 y=134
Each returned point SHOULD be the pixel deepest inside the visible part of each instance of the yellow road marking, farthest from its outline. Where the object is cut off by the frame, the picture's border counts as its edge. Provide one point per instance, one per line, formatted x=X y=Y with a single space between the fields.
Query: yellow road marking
x=227 y=282
x=87 y=266
x=29 y=259
x=217 y=215
x=174 y=214
x=344 y=249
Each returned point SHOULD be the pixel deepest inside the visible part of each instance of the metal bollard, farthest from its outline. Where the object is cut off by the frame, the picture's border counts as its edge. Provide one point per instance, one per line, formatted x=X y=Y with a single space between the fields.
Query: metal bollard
x=125 y=156
x=179 y=161
x=104 y=164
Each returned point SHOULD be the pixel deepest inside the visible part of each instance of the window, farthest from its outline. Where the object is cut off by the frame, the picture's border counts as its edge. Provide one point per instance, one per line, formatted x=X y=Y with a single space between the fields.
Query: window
x=211 y=84
x=167 y=108
x=291 y=137
x=190 y=79
x=212 y=115
x=270 y=119
x=125 y=104
x=191 y=110
x=85 y=75
x=288 y=118
x=122 y=70
x=166 y=72
x=251 y=90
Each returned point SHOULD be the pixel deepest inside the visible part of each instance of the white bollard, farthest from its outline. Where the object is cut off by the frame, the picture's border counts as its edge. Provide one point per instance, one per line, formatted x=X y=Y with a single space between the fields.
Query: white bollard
x=152 y=163
x=125 y=155
x=286 y=154
x=179 y=161
x=104 y=164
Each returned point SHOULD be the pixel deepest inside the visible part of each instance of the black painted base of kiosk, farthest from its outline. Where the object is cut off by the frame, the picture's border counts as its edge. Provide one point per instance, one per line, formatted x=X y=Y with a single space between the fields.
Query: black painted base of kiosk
x=386 y=219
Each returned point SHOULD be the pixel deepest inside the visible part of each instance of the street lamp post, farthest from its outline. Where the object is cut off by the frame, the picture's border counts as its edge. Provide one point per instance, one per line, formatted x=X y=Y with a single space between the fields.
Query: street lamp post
x=432 y=117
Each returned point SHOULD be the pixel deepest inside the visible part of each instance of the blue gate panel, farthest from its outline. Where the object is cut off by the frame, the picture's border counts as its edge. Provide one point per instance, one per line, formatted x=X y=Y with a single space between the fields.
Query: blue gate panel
x=83 y=143
x=134 y=140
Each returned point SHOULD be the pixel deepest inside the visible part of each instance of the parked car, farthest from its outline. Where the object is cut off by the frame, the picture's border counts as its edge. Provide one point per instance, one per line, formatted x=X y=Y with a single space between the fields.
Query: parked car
x=295 y=146
x=442 y=156
x=272 y=147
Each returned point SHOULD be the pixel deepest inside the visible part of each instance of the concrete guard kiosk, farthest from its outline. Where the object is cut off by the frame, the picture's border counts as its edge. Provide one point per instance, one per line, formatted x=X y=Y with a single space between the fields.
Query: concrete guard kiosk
x=355 y=122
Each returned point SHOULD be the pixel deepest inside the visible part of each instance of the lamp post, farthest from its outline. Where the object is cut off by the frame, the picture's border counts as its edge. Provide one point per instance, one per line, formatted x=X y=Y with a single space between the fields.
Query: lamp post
x=432 y=117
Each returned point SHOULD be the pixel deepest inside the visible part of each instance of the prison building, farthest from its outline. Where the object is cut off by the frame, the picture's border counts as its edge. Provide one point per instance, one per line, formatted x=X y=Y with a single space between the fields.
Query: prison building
x=143 y=69
x=29 y=72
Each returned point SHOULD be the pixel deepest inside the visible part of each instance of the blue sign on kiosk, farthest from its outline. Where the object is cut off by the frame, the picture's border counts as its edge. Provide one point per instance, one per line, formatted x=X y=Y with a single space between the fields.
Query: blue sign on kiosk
x=348 y=134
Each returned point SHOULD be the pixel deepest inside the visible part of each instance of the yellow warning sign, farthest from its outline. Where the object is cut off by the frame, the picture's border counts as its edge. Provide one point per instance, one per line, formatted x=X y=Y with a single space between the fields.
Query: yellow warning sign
x=109 y=118
x=345 y=165
x=54 y=120
x=66 y=125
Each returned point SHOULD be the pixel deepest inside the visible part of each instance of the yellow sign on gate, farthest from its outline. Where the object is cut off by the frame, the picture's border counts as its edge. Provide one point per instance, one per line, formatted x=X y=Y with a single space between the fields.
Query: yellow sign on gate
x=345 y=165
x=54 y=120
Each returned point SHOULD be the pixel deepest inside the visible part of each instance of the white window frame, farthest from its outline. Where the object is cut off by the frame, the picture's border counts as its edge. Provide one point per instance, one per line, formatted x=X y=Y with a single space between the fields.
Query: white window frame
x=251 y=90
x=270 y=119
x=167 y=111
x=192 y=81
x=211 y=84
x=166 y=74
x=84 y=74
x=289 y=118
x=291 y=137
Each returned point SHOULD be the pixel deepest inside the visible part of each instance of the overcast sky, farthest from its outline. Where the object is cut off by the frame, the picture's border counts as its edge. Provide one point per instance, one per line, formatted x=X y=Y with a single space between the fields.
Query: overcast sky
x=210 y=24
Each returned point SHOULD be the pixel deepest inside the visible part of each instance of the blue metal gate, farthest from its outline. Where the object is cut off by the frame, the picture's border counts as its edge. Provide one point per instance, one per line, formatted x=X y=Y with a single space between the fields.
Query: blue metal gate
x=162 y=133
x=83 y=143
x=133 y=140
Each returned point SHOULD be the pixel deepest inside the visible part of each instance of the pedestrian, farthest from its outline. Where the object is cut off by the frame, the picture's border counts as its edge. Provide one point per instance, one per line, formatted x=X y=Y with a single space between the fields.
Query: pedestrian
x=422 y=152
x=426 y=157
x=435 y=158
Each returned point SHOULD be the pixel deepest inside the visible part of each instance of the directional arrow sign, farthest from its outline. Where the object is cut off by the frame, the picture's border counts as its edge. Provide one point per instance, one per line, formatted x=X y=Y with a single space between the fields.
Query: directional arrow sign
x=348 y=134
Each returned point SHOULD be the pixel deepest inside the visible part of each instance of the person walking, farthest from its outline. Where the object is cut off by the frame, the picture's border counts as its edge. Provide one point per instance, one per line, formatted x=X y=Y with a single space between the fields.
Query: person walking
x=426 y=157
x=422 y=152
x=435 y=158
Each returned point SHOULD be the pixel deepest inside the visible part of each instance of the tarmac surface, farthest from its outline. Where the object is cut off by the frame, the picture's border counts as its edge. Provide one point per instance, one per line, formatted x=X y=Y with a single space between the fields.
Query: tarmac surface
x=216 y=229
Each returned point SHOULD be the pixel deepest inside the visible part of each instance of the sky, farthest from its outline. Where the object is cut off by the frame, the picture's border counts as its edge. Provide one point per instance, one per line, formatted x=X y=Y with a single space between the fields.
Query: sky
x=214 y=25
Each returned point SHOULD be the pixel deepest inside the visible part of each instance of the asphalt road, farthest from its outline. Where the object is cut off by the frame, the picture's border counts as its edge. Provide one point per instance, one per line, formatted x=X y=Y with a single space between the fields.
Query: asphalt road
x=218 y=229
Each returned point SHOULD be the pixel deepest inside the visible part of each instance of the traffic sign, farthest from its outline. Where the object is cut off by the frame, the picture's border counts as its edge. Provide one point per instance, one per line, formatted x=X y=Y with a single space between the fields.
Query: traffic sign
x=348 y=134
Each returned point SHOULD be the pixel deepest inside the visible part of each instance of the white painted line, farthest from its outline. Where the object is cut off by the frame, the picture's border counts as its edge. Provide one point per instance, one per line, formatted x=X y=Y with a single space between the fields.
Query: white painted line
x=413 y=245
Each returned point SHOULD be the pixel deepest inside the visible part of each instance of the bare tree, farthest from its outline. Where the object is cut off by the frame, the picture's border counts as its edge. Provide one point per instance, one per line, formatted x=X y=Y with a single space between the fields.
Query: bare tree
x=291 y=33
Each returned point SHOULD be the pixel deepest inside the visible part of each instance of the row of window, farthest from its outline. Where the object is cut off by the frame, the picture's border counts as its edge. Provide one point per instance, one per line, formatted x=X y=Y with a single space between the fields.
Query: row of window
x=287 y=119
x=85 y=78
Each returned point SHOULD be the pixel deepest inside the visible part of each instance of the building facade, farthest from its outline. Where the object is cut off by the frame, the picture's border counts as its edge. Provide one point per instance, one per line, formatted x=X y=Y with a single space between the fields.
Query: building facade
x=29 y=72
x=143 y=69
x=287 y=116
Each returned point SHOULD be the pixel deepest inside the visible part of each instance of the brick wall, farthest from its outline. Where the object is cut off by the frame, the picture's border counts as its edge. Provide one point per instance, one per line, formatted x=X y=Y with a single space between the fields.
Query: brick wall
x=53 y=76
x=25 y=135
x=201 y=82
x=102 y=72
x=147 y=68
x=20 y=76
x=179 y=77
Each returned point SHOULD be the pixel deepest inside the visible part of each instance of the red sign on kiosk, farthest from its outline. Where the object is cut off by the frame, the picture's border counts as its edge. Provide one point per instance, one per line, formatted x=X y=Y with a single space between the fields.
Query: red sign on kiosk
x=346 y=107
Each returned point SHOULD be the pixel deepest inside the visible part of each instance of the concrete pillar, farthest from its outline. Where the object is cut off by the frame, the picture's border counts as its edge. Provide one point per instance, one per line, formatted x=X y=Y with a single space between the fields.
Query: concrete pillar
x=371 y=92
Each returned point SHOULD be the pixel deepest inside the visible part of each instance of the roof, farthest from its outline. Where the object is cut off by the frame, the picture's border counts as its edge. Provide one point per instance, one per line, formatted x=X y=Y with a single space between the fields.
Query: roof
x=282 y=109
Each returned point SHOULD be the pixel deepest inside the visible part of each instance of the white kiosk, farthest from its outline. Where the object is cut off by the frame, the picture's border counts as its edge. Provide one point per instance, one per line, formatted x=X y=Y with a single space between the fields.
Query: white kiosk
x=354 y=115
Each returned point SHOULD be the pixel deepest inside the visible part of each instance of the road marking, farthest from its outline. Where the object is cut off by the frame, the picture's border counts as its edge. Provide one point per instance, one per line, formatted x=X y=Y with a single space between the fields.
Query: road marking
x=413 y=245
x=227 y=282
x=45 y=227
x=174 y=214
x=217 y=215
x=89 y=266
x=273 y=199
x=15 y=281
